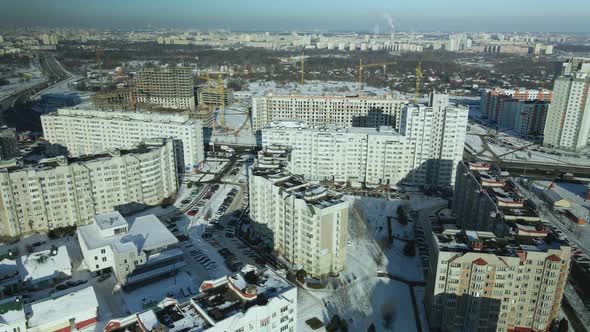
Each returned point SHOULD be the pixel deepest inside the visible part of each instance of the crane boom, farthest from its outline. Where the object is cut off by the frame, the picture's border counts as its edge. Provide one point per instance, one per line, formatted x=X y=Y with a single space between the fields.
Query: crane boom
x=369 y=65
x=418 y=80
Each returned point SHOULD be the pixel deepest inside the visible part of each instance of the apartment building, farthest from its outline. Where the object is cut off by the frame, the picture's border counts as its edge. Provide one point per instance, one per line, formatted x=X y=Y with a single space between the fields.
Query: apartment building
x=59 y=192
x=169 y=87
x=304 y=224
x=568 y=120
x=492 y=101
x=426 y=149
x=86 y=131
x=257 y=300
x=481 y=282
x=530 y=117
x=135 y=251
x=485 y=199
x=319 y=110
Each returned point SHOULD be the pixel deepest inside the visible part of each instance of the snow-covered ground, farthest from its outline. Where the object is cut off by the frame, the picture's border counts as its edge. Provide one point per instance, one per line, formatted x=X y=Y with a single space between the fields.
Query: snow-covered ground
x=505 y=144
x=17 y=84
x=358 y=295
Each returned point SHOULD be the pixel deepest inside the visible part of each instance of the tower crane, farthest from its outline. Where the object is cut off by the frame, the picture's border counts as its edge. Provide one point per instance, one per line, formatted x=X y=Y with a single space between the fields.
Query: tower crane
x=418 y=80
x=369 y=65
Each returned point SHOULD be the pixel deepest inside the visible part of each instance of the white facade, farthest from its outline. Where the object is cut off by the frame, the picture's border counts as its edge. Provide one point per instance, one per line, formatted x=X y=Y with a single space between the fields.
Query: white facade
x=318 y=111
x=304 y=224
x=89 y=131
x=135 y=252
x=60 y=192
x=568 y=118
x=425 y=151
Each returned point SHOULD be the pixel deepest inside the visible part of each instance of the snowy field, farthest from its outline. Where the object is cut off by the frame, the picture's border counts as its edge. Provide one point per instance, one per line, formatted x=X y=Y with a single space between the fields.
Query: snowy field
x=358 y=295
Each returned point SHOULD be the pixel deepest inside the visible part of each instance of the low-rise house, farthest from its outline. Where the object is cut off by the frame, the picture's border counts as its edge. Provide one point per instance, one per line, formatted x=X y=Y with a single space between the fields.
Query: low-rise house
x=70 y=312
x=44 y=268
x=12 y=316
x=136 y=251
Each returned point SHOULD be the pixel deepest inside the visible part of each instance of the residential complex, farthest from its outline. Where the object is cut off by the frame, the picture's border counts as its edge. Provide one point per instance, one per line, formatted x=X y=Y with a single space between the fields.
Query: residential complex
x=169 y=87
x=251 y=300
x=89 y=131
x=524 y=111
x=485 y=199
x=303 y=223
x=425 y=150
x=318 y=111
x=134 y=251
x=481 y=282
x=568 y=120
x=59 y=192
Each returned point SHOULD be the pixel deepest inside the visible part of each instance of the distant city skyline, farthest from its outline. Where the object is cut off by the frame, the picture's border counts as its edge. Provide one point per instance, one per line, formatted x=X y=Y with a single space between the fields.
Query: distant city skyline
x=376 y=16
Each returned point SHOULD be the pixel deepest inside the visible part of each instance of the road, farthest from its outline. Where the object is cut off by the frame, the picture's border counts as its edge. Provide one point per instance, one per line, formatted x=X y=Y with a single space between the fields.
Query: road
x=55 y=74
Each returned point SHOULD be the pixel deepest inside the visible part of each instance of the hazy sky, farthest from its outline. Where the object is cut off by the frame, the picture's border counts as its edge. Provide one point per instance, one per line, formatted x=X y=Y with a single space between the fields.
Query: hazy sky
x=359 y=15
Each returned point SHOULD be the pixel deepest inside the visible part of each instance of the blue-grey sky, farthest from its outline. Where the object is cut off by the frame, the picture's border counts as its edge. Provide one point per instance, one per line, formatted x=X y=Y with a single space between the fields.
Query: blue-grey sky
x=358 y=15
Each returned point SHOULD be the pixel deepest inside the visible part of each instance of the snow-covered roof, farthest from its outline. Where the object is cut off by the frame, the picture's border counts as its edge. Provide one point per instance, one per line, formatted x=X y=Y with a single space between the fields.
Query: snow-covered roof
x=109 y=220
x=7 y=267
x=148 y=320
x=62 y=307
x=44 y=265
x=11 y=312
x=144 y=233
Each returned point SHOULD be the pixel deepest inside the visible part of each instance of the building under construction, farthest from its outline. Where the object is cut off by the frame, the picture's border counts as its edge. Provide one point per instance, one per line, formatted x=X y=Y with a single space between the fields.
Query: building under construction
x=169 y=87
x=211 y=96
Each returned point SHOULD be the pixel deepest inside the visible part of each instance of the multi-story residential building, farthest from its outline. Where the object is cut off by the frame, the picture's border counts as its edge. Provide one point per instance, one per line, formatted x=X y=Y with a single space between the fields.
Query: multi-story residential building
x=481 y=282
x=303 y=223
x=530 y=117
x=89 y=131
x=492 y=101
x=136 y=252
x=485 y=199
x=257 y=300
x=169 y=87
x=319 y=110
x=59 y=192
x=426 y=150
x=8 y=143
x=568 y=120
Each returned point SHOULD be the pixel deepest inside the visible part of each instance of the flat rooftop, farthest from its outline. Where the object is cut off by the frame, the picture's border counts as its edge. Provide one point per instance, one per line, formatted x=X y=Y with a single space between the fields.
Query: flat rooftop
x=224 y=297
x=295 y=125
x=44 y=265
x=54 y=309
x=295 y=185
x=218 y=299
x=455 y=240
x=144 y=233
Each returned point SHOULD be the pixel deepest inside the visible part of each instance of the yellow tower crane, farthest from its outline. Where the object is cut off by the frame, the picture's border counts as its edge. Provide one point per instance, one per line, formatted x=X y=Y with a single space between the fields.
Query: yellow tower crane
x=361 y=66
x=131 y=86
x=220 y=89
x=418 y=80
x=302 y=68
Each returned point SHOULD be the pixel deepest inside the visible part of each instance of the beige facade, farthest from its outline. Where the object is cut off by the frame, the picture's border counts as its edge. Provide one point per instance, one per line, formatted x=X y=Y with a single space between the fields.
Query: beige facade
x=304 y=224
x=60 y=192
x=478 y=282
